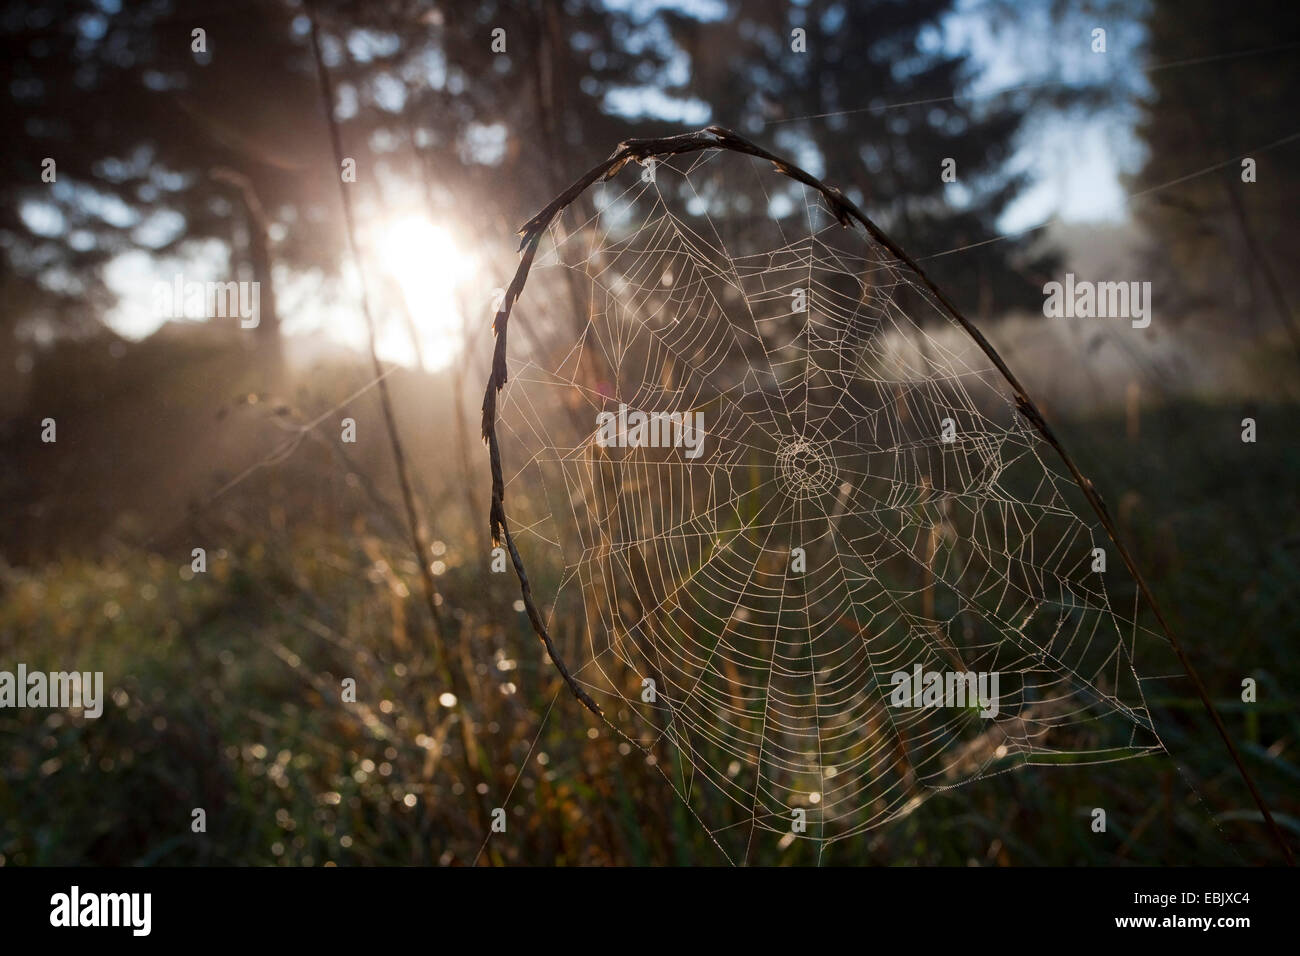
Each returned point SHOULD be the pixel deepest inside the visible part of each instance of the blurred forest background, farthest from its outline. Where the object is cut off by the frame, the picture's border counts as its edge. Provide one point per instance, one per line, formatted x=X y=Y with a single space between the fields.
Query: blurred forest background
x=174 y=434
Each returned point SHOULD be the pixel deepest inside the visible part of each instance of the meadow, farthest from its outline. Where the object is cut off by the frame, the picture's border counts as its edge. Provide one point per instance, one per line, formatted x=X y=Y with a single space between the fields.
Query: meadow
x=223 y=687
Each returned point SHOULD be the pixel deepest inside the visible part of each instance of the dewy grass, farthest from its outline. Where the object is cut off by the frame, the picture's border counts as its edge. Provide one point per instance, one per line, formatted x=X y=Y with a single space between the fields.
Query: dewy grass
x=244 y=727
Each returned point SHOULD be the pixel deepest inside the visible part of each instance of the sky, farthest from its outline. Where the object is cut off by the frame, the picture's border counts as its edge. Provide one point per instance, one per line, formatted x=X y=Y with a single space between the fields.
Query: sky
x=1076 y=163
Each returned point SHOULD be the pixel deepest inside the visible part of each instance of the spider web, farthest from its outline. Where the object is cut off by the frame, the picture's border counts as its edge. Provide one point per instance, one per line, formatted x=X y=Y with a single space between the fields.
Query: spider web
x=865 y=500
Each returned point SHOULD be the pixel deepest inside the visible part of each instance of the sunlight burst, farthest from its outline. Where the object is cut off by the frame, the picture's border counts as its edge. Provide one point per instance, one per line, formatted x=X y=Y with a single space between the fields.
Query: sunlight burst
x=428 y=267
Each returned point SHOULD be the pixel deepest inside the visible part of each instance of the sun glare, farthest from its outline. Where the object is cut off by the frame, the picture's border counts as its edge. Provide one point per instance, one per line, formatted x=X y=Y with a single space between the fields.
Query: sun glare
x=428 y=266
